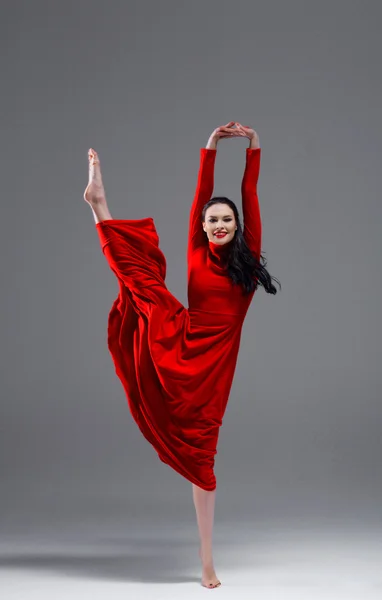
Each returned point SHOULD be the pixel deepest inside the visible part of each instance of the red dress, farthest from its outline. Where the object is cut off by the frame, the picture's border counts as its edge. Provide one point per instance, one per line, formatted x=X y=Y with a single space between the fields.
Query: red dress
x=177 y=364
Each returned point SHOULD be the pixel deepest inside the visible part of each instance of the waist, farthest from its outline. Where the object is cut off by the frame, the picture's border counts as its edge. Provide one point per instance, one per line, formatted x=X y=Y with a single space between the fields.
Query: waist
x=210 y=317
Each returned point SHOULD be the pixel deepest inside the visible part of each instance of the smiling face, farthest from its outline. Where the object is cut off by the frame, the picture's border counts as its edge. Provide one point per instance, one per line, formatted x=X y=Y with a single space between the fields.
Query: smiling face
x=220 y=219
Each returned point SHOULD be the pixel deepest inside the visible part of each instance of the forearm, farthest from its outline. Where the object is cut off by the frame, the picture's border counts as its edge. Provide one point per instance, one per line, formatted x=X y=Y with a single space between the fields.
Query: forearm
x=252 y=169
x=205 y=183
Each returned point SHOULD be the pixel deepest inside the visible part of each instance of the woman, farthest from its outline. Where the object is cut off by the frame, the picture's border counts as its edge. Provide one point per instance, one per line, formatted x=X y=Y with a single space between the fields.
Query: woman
x=177 y=364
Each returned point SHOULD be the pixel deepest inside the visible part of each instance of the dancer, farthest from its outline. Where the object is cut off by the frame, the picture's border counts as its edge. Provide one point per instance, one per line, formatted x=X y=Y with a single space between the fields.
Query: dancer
x=176 y=364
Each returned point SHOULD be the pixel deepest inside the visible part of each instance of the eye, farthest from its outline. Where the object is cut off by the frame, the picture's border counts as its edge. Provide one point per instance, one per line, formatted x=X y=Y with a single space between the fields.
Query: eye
x=212 y=219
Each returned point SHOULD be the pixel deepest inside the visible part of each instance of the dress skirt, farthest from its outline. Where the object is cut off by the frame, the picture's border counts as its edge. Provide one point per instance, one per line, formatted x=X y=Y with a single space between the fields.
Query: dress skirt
x=174 y=363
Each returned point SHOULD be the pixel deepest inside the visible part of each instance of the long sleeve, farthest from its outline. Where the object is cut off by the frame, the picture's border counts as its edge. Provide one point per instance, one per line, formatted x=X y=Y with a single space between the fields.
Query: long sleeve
x=204 y=190
x=251 y=206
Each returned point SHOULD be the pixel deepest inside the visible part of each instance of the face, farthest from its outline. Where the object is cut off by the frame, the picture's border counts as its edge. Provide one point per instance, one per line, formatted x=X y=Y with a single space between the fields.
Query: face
x=220 y=218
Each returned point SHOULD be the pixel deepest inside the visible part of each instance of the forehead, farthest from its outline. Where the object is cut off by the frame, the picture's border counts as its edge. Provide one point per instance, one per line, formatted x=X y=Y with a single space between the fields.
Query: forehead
x=219 y=210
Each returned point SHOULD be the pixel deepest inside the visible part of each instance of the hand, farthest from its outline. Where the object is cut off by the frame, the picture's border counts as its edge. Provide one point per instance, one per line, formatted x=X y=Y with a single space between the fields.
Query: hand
x=250 y=134
x=225 y=131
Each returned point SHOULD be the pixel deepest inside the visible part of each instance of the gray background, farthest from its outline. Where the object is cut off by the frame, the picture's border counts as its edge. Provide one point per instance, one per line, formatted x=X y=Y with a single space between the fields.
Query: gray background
x=145 y=83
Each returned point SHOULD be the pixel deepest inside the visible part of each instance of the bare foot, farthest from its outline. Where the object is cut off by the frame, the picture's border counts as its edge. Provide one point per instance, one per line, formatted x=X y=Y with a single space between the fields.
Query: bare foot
x=94 y=193
x=209 y=578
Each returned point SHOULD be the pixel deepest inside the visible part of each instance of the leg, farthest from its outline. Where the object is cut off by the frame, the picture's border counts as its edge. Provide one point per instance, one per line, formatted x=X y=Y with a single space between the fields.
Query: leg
x=95 y=194
x=205 y=507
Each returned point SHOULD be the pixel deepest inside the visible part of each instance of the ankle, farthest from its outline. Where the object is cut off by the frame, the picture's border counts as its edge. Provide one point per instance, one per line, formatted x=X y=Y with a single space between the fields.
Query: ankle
x=100 y=201
x=206 y=558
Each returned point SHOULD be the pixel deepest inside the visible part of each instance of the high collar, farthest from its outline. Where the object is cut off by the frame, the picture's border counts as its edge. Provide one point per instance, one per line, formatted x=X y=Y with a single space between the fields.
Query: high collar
x=220 y=251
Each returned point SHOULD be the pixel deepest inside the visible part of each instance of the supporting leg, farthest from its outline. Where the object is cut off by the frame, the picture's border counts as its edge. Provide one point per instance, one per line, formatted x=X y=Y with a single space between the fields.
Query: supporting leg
x=204 y=502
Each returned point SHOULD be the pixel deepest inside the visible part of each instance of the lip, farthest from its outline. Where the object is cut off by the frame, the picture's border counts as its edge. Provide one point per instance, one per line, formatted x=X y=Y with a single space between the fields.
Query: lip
x=220 y=235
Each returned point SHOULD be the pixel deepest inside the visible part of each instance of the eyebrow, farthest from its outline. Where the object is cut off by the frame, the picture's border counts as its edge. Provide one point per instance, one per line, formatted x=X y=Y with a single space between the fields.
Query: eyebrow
x=209 y=216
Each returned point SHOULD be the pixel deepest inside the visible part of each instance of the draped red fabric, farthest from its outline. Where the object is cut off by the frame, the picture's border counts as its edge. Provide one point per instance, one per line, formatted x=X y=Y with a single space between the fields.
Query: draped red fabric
x=177 y=364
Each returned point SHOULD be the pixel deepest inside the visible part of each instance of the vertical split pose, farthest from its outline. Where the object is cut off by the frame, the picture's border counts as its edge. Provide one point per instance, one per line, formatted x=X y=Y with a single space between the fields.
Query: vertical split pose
x=177 y=364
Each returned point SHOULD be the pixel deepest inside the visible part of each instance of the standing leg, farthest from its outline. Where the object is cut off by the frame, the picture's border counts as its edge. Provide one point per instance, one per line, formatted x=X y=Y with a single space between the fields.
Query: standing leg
x=204 y=502
x=95 y=194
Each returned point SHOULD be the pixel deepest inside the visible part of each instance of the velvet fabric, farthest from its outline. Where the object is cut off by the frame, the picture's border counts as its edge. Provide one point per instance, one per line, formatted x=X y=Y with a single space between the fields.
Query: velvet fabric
x=177 y=364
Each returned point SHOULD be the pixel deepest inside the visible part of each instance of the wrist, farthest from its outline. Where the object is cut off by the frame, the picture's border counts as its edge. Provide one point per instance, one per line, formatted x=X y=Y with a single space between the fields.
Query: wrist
x=254 y=144
x=212 y=143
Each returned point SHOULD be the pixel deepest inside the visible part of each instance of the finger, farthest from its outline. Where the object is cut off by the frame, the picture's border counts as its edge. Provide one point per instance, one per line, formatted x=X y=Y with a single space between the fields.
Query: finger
x=238 y=132
x=229 y=124
x=243 y=127
x=229 y=130
x=233 y=131
x=225 y=128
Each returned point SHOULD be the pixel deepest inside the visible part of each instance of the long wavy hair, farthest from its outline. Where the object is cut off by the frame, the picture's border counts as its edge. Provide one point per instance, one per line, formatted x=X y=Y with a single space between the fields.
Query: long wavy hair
x=243 y=267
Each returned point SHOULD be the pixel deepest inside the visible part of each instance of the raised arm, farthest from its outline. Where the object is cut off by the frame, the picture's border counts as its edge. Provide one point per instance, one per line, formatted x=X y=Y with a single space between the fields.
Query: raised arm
x=251 y=206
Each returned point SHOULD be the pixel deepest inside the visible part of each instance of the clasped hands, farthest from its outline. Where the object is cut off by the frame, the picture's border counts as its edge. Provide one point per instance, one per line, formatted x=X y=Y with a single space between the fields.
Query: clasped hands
x=231 y=130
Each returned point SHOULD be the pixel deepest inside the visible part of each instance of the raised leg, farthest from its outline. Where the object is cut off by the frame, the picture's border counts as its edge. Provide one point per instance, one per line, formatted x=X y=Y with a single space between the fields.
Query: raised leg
x=204 y=502
x=94 y=194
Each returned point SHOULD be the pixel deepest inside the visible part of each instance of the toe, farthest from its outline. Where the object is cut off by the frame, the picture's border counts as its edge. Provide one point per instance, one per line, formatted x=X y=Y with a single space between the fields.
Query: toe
x=93 y=156
x=212 y=585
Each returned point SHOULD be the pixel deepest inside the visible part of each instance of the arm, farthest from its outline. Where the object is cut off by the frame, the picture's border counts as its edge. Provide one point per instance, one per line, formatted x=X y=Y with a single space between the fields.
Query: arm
x=203 y=193
x=251 y=206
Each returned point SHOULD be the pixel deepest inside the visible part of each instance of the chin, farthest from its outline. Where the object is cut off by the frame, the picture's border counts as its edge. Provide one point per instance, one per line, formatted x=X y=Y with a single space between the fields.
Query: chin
x=222 y=241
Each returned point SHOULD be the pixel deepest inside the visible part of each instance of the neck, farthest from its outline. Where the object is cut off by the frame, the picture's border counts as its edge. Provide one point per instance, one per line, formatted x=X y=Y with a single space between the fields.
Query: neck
x=220 y=251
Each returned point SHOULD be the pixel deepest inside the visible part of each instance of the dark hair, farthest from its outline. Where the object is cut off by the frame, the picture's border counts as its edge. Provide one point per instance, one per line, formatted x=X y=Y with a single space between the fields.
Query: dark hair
x=243 y=267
